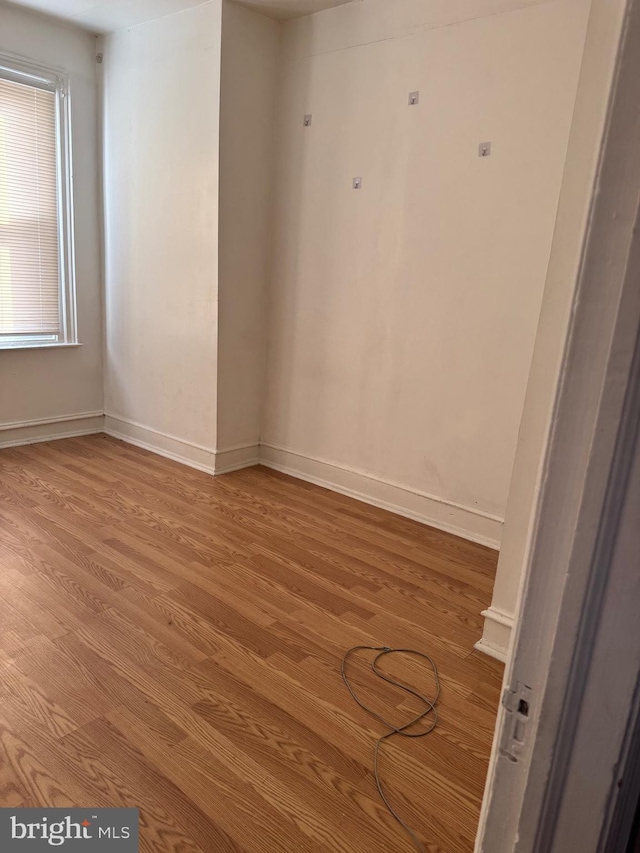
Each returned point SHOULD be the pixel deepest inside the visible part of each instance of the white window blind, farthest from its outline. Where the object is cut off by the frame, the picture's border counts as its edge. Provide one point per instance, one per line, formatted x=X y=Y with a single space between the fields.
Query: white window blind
x=30 y=269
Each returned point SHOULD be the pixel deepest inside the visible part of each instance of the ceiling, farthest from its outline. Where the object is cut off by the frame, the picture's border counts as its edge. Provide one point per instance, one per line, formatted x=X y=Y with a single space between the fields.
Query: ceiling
x=102 y=16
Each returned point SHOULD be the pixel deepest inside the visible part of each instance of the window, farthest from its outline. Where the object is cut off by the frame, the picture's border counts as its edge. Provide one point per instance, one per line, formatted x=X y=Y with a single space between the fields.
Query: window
x=37 y=292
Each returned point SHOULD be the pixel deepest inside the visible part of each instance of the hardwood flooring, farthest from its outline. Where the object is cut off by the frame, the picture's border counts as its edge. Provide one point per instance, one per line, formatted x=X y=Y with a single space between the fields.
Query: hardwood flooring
x=173 y=642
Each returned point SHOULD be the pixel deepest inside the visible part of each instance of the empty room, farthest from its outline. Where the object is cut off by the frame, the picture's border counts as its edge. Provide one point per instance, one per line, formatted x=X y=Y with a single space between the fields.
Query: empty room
x=285 y=292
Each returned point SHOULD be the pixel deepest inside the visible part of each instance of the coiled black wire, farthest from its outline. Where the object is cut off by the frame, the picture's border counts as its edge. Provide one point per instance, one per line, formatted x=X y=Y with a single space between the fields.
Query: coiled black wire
x=430 y=710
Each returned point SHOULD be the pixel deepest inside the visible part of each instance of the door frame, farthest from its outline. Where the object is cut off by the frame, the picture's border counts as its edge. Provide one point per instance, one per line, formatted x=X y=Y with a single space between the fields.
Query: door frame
x=572 y=686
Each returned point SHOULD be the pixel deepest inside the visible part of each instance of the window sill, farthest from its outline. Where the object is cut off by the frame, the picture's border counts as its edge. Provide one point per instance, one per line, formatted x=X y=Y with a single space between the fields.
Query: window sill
x=20 y=347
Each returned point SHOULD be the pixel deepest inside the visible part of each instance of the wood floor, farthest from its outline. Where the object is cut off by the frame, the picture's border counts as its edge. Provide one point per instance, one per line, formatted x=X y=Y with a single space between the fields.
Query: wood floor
x=173 y=642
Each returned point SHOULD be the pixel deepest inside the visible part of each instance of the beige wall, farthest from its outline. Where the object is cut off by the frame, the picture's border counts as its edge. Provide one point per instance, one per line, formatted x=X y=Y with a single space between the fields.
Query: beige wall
x=402 y=316
x=250 y=49
x=603 y=33
x=161 y=117
x=53 y=384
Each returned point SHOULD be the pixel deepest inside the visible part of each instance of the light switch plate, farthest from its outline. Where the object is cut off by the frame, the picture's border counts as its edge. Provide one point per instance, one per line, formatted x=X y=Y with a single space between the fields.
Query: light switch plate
x=307 y=120
x=414 y=98
x=357 y=183
x=484 y=149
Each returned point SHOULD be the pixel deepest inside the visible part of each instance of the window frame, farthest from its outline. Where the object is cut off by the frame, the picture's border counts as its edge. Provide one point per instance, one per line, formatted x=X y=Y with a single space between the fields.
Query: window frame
x=23 y=71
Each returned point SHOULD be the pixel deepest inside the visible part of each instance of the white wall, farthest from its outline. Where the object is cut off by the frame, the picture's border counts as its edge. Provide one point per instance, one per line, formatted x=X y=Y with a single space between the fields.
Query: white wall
x=403 y=315
x=57 y=388
x=250 y=48
x=161 y=122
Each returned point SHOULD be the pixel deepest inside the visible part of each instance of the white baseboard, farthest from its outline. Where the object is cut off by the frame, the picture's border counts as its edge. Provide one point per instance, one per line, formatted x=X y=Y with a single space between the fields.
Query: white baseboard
x=467 y=522
x=19 y=433
x=236 y=458
x=496 y=636
x=194 y=455
x=488 y=648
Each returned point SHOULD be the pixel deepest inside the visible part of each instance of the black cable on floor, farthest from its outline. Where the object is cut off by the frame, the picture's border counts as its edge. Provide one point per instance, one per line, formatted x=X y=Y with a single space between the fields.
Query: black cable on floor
x=401 y=731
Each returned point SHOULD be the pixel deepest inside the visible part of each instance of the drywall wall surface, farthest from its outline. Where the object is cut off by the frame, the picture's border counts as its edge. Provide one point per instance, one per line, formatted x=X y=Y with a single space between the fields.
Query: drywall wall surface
x=250 y=45
x=403 y=314
x=161 y=116
x=573 y=212
x=52 y=384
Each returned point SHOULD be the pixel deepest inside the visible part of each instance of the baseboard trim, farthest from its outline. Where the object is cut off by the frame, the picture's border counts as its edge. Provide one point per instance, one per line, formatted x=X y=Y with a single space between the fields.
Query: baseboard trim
x=196 y=456
x=492 y=651
x=466 y=522
x=499 y=616
x=155 y=442
x=19 y=433
x=496 y=636
x=236 y=458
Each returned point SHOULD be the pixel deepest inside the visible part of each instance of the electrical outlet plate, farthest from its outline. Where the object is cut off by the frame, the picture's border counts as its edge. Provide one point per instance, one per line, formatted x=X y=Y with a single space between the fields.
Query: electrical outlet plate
x=307 y=120
x=484 y=149
x=414 y=98
x=357 y=183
